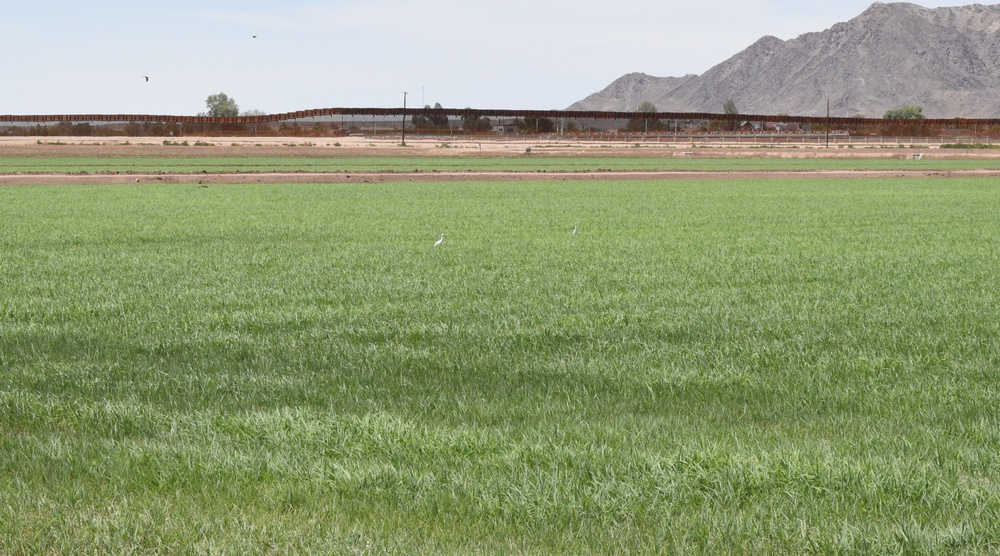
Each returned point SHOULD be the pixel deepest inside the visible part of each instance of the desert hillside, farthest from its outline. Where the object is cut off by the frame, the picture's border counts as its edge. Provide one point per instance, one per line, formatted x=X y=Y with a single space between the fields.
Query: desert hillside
x=945 y=59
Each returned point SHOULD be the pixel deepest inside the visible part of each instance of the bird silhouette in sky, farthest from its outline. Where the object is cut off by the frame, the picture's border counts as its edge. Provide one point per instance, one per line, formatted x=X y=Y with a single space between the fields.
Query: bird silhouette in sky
x=146 y=77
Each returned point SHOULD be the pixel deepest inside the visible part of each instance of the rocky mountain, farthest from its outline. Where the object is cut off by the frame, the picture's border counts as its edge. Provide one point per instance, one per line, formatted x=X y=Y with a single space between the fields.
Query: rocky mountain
x=944 y=59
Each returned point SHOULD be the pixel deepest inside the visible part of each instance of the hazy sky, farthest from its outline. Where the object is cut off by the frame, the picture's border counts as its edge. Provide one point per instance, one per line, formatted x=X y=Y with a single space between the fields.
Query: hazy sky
x=69 y=56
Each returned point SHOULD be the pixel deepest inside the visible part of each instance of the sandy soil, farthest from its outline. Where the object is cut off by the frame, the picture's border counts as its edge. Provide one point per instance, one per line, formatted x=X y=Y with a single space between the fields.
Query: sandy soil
x=442 y=146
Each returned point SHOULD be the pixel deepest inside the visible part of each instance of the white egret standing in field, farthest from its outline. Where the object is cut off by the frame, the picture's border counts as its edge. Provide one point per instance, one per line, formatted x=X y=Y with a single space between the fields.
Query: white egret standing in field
x=574 y=229
x=439 y=242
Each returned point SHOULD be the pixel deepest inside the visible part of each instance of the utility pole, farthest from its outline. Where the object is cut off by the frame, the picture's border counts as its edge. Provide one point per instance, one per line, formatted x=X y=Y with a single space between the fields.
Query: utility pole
x=828 y=123
x=404 y=119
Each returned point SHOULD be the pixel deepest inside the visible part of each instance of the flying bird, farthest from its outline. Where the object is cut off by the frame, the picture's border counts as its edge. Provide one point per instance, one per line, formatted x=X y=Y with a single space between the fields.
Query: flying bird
x=255 y=36
x=146 y=77
x=440 y=241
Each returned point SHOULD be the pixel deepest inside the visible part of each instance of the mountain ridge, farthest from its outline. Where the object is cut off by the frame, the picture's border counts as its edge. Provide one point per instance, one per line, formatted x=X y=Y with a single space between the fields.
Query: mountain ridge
x=946 y=60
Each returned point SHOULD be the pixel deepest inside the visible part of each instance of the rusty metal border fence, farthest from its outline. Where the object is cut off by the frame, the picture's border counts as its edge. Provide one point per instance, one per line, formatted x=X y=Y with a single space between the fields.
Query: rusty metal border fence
x=894 y=127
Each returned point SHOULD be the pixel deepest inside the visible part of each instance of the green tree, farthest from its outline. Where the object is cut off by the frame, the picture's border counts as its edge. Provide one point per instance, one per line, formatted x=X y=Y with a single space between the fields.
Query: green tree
x=646 y=106
x=433 y=121
x=541 y=125
x=221 y=105
x=906 y=113
x=473 y=123
x=645 y=123
x=729 y=107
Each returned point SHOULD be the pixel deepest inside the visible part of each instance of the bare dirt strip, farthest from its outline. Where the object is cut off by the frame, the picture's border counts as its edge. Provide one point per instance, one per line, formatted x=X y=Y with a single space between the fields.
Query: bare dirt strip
x=347 y=147
x=414 y=177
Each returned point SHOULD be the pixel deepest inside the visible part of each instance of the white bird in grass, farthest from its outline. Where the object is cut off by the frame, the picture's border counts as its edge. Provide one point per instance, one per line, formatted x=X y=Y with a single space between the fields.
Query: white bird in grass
x=439 y=242
x=574 y=229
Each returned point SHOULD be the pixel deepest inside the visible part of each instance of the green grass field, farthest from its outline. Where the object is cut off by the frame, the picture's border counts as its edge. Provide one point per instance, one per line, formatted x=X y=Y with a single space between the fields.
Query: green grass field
x=792 y=366
x=538 y=163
